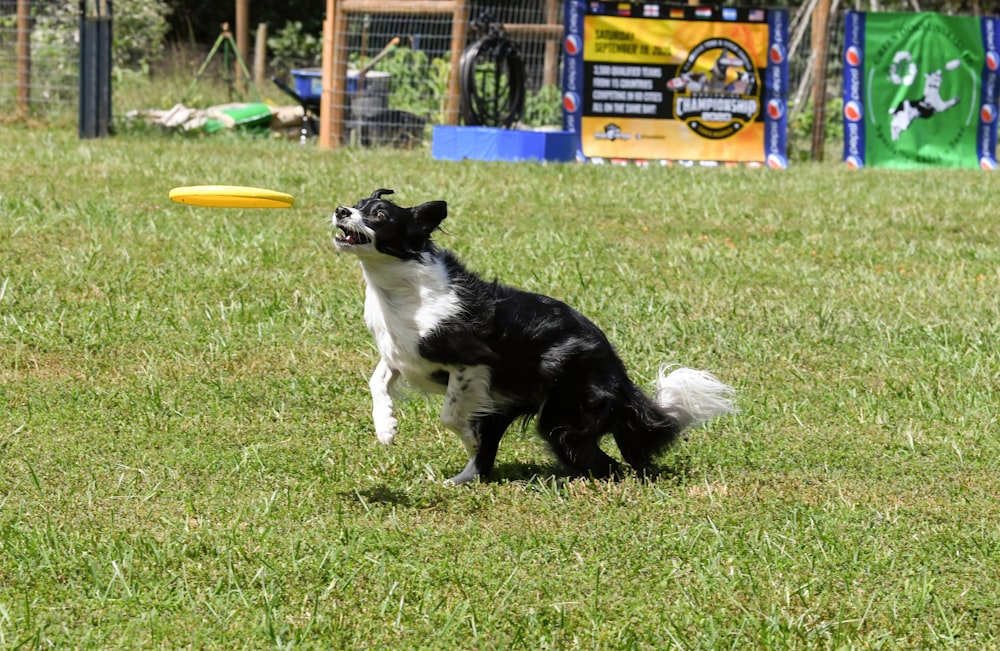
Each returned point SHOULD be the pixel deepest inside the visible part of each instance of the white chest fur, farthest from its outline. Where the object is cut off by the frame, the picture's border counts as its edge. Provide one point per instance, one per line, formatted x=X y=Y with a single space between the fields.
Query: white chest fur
x=404 y=301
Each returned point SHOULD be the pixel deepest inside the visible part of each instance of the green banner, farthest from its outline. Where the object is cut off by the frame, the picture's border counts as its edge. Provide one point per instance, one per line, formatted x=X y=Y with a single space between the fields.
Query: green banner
x=920 y=90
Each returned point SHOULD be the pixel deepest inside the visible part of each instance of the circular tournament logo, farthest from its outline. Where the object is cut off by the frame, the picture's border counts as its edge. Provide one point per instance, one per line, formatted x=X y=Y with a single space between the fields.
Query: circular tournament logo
x=854 y=163
x=572 y=45
x=988 y=113
x=571 y=102
x=853 y=56
x=987 y=163
x=716 y=90
x=920 y=97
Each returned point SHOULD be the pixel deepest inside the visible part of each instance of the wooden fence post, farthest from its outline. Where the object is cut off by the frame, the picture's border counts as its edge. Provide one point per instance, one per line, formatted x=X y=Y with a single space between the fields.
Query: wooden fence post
x=260 y=55
x=242 y=42
x=459 y=23
x=820 y=44
x=23 y=56
x=550 y=74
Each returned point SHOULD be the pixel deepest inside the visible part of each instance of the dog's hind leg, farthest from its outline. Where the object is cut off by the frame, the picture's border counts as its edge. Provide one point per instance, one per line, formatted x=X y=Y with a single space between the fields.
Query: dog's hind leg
x=381 y=384
x=489 y=430
x=580 y=452
x=573 y=433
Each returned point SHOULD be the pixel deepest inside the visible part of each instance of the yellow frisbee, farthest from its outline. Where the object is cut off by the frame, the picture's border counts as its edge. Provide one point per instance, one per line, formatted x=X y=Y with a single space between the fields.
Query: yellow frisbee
x=231 y=196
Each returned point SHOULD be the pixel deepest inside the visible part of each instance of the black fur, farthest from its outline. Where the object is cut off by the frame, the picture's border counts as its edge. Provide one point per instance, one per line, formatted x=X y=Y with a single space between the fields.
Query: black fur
x=549 y=360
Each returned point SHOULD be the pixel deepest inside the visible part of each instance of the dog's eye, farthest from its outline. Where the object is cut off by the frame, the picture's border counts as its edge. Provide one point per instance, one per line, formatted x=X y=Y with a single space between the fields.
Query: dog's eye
x=380 y=215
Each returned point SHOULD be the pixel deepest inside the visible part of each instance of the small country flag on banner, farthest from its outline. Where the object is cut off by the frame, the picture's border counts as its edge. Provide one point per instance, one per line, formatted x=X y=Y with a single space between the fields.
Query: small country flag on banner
x=703 y=12
x=677 y=13
x=624 y=9
x=651 y=11
x=756 y=15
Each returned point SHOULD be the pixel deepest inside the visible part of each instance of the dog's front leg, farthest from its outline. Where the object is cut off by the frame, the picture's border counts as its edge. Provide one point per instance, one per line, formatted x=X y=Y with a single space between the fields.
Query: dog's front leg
x=381 y=385
x=489 y=429
x=466 y=397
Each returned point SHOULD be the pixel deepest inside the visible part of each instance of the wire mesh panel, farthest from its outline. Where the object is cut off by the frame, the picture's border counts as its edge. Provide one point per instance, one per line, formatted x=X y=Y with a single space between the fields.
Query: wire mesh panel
x=39 y=56
x=402 y=62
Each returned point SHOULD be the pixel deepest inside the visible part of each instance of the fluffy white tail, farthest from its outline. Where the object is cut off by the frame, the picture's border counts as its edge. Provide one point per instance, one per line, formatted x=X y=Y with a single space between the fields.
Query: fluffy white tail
x=693 y=397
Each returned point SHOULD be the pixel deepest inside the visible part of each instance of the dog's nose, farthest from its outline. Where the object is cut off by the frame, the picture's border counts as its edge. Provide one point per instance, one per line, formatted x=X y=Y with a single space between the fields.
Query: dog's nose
x=341 y=212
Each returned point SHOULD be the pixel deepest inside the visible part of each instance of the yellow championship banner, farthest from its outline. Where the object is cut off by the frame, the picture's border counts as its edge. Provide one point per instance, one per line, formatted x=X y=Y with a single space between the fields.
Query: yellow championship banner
x=645 y=81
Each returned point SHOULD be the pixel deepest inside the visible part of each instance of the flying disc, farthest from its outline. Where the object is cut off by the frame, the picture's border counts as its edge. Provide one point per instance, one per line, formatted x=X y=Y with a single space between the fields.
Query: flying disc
x=231 y=196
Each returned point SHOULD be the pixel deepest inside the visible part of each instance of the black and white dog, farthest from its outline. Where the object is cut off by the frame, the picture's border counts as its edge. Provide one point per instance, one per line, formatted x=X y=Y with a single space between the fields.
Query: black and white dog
x=499 y=354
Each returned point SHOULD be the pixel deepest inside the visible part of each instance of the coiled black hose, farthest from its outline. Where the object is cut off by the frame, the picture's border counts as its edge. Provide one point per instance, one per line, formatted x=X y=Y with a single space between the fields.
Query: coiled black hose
x=491 y=79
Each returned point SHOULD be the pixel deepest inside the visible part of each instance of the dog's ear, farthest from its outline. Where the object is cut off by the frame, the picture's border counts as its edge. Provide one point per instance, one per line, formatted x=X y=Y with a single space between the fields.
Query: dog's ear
x=428 y=216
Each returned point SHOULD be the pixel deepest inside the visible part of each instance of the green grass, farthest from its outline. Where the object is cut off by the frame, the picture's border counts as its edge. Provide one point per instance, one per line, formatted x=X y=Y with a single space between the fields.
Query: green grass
x=187 y=459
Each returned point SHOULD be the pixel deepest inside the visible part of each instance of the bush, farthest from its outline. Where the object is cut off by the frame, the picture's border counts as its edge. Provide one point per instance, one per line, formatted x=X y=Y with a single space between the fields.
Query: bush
x=291 y=47
x=418 y=83
x=138 y=30
x=140 y=27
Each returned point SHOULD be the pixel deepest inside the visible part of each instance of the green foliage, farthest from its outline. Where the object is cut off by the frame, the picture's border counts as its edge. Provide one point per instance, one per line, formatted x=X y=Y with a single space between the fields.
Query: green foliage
x=800 y=128
x=418 y=83
x=294 y=47
x=140 y=28
x=544 y=107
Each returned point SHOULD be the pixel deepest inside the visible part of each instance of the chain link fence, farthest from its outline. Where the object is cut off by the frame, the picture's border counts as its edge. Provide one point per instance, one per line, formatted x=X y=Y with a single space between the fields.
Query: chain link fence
x=416 y=74
x=39 y=57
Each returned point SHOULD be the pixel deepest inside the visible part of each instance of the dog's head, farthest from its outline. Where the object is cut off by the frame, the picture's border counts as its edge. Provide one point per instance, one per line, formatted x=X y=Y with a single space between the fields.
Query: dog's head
x=377 y=225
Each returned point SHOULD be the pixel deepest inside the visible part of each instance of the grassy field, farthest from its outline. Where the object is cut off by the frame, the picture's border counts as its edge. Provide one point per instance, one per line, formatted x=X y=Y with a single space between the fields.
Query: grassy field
x=187 y=458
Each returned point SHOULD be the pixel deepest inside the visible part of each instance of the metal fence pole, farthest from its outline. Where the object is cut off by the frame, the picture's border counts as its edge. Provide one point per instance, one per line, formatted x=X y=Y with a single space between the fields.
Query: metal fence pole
x=95 y=69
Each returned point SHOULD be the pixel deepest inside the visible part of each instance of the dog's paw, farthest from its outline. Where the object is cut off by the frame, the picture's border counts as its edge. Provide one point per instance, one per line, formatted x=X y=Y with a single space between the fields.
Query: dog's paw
x=386 y=432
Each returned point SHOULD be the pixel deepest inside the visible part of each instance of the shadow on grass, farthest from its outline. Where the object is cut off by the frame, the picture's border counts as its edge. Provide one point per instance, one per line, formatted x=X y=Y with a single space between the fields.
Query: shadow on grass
x=542 y=474
x=521 y=472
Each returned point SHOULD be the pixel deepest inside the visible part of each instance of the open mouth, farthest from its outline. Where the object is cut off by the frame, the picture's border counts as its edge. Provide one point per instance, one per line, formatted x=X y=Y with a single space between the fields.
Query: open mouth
x=353 y=232
x=351 y=238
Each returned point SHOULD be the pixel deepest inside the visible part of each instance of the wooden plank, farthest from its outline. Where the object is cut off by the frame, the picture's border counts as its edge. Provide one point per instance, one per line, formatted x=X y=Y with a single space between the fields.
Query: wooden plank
x=553 y=31
x=399 y=7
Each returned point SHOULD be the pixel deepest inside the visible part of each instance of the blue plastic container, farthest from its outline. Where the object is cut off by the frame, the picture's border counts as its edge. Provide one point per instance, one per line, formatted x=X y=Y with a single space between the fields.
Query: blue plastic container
x=493 y=144
x=309 y=83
